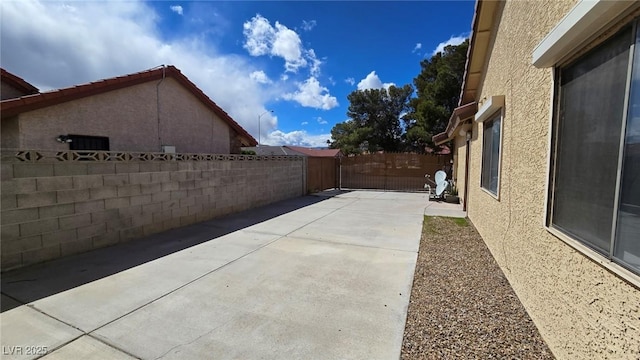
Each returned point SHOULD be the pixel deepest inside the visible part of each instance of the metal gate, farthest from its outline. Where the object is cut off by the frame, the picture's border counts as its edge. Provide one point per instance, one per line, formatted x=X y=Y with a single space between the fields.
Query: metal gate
x=390 y=171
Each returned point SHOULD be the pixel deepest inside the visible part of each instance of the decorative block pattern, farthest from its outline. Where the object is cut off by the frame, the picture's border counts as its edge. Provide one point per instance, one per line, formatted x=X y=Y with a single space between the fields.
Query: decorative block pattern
x=56 y=203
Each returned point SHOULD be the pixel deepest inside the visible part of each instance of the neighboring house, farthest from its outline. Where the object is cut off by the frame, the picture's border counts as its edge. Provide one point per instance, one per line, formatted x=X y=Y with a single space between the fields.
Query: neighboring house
x=333 y=153
x=12 y=86
x=293 y=150
x=267 y=150
x=546 y=157
x=153 y=110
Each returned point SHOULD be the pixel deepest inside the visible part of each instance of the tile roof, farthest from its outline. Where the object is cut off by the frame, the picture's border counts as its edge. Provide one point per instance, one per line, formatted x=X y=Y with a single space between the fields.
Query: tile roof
x=18 y=82
x=19 y=105
x=316 y=152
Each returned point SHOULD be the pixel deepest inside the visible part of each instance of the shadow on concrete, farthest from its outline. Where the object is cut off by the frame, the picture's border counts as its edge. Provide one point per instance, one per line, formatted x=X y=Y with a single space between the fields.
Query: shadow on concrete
x=38 y=281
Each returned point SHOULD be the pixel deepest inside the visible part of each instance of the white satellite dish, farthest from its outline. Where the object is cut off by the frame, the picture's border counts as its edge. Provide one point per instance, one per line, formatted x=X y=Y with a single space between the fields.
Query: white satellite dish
x=441 y=182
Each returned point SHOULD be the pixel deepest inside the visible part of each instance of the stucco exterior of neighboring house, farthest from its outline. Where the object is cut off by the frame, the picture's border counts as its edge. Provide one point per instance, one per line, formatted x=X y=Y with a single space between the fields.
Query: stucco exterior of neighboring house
x=546 y=159
x=154 y=110
x=12 y=86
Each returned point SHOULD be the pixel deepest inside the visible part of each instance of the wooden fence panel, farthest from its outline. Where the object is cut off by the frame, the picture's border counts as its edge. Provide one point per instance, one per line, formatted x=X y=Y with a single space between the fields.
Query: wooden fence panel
x=321 y=173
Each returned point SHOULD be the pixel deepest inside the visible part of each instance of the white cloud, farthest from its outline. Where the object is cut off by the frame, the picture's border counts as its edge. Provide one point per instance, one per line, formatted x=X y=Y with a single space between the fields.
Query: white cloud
x=308 y=25
x=350 y=81
x=311 y=94
x=260 y=77
x=321 y=121
x=372 y=81
x=417 y=47
x=52 y=45
x=176 y=9
x=263 y=39
x=454 y=40
x=296 y=138
x=304 y=123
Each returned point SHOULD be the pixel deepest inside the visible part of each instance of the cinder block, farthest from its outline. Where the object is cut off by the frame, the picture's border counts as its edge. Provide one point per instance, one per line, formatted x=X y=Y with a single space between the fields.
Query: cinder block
x=87 y=181
x=150 y=188
x=58 y=237
x=185 y=165
x=104 y=192
x=189 y=184
x=128 y=190
x=76 y=247
x=104 y=216
x=150 y=166
x=70 y=169
x=161 y=216
x=195 y=209
x=152 y=229
x=54 y=183
x=170 y=204
x=90 y=206
x=203 y=183
x=18 y=215
x=116 y=203
x=40 y=255
x=131 y=211
x=142 y=219
x=127 y=168
x=160 y=197
x=169 y=166
x=179 y=212
x=194 y=192
x=6 y=172
x=187 y=201
x=178 y=194
x=26 y=185
x=171 y=223
x=151 y=208
x=179 y=176
x=107 y=239
x=92 y=230
x=23 y=170
x=9 y=232
x=140 y=199
x=38 y=227
x=116 y=179
x=36 y=199
x=170 y=186
x=188 y=220
x=22 y=244
x=131 y=233
x=96 y=168
x=209 y=191
x=194 y=175
x=140 y=178
x=72 y=196
x=119 y=224
x=160 y=177
x=74 y=221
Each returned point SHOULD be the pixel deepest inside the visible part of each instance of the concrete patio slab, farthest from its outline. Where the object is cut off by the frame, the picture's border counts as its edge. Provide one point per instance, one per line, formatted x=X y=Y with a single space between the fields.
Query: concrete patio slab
x=313 y=277
x=301 y=306
x=441 y=208
x=87 y=348
x=100 y=302
x=29 y=334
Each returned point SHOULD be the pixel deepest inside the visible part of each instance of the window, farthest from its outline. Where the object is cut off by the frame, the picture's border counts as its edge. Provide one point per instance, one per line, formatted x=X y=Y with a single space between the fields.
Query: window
x=595 y=177
x=491 y=154
x=83 y=142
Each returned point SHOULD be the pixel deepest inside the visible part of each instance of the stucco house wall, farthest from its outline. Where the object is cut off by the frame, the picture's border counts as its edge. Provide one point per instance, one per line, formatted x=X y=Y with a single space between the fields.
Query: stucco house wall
x=132 y=118
x=582 y=310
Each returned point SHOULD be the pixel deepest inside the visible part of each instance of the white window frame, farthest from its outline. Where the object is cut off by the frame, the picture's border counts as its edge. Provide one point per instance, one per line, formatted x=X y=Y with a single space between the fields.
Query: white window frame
x=586 y=20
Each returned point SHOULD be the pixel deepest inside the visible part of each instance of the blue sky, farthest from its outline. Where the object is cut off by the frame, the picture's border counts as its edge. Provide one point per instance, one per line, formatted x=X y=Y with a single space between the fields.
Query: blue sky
x=298 y=58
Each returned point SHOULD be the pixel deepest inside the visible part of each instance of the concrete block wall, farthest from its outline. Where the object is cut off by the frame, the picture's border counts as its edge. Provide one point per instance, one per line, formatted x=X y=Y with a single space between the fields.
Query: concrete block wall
x=53 y=209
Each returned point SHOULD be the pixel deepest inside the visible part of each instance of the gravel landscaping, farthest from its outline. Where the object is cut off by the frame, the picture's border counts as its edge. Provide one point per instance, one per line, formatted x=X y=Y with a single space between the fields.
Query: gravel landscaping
x=462 y=306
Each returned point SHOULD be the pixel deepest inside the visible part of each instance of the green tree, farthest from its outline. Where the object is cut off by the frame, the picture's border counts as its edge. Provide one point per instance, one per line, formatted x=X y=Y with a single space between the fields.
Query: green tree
x=374 y=121
x=438 y=89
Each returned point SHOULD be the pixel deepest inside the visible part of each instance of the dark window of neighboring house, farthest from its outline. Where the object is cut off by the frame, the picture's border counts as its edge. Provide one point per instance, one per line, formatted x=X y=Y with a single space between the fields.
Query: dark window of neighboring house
x=491 y=154
x=595 y=191
x=82 y=142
